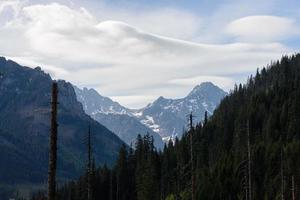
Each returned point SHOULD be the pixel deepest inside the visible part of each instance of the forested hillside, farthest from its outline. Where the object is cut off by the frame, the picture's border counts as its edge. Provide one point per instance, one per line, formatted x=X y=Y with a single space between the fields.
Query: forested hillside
x=248 y=149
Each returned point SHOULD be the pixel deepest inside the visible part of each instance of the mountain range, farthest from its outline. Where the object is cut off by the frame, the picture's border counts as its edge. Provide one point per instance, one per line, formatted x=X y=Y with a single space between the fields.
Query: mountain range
x=115 y=117
x=25 y=124
x=163 y=119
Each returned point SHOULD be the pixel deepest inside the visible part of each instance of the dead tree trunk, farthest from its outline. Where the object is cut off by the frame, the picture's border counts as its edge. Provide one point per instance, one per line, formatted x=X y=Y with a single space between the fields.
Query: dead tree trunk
x=89 y=164
x=111 y=185
x=53 y=145
x=192 y=156
x=293 y=188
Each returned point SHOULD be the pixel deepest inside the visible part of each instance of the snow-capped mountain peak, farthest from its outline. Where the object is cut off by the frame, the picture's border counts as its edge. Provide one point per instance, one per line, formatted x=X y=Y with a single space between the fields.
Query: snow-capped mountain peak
x=168 y=116
x=164 y=116
x=206 y=89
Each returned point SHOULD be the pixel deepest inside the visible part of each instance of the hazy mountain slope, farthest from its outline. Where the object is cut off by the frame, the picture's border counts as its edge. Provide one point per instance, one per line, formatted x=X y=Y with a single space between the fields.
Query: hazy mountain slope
x=24 y=127
x=127 y=128
x=114 y=116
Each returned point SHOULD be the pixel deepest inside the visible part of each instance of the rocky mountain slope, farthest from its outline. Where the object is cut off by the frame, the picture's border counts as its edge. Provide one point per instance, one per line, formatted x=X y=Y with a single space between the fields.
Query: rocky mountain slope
x=25 y=96
x=115 y=117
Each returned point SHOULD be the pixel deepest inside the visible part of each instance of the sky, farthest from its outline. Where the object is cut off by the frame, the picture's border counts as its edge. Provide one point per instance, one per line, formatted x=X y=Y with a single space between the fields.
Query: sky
x=134 y=51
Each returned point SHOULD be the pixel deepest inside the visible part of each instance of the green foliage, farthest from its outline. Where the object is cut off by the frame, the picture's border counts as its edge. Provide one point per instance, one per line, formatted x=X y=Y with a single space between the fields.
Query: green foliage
x=170 y=197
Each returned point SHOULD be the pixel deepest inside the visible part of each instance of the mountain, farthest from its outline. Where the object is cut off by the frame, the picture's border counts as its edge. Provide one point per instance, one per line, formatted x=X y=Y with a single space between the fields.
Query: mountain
x=248 y=149
x=168 y=117
x=24 y=128
x=93 y=103
x=114 y=116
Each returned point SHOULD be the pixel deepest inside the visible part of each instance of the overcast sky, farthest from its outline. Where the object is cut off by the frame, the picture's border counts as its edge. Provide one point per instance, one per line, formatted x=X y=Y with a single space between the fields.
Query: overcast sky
x=137 y=50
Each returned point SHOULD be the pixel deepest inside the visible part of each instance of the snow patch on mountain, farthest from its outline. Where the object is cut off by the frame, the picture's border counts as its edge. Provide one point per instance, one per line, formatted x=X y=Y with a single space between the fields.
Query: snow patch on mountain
x=149 y=121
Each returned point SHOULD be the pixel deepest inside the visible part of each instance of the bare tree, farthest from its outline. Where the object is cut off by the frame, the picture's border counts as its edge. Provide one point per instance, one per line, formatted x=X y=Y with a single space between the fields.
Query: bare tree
x=53 y=145
x=192 y=156
x=89 y=165
x=293 y=188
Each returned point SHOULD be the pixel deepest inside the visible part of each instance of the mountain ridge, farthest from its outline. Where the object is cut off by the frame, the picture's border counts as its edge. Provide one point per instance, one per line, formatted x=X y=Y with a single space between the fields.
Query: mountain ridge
x=164 y=116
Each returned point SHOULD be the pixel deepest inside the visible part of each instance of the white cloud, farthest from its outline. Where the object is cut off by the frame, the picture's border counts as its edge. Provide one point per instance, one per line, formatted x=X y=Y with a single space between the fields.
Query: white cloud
x=120 y=60
x=14 y=4
x=263 y=28
x=9 y=9
x=135 y=101
x=162 y=21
